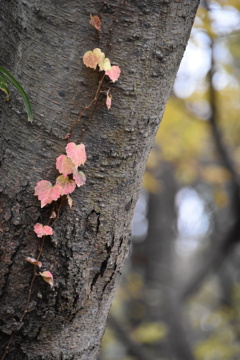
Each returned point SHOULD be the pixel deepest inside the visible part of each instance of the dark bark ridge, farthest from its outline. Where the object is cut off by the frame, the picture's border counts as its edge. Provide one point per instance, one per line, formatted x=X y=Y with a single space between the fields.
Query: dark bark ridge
x=44 y=41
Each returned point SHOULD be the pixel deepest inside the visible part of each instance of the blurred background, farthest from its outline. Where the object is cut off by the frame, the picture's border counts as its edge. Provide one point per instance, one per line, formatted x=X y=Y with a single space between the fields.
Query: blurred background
x=179 y=298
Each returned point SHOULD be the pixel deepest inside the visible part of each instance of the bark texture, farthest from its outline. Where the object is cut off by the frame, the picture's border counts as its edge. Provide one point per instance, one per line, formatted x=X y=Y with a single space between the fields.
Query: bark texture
x=42 y=43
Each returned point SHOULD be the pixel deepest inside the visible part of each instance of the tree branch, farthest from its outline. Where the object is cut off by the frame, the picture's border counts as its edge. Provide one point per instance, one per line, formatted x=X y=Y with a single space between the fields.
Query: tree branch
x=222 y=151
x=214 y=261
x=218 y=254
x=134 y=348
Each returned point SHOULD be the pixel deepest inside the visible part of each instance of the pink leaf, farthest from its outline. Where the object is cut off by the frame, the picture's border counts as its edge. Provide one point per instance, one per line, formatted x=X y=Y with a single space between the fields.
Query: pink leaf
x=67 y=185
x=47 y=193
x=64 y=165
x=42 y=230
x=33 y=261
x=93 y=58
x=96 y=22
x=114 y=73
x=70 y=201
x=79 y=178
x=76 y=153
x=47 y=276
x=109 y=101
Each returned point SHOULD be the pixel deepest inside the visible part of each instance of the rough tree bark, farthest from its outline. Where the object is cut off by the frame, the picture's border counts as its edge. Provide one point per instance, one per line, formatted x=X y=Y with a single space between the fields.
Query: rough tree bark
x=42 y=43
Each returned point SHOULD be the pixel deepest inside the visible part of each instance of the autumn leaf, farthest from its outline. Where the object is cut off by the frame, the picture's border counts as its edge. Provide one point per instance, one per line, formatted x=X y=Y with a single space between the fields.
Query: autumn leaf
x=96 y=22
x=65 y=165
x=67 y=185
x=47 y=276
x=70 y=201
x=47 y=193
x=42 y=230
x=93 y=58
x=33 y=261
x=104 y=64
x=53 y=215
x=79 y=178
x=109 y=100
x=76 y=153
x=114 y=73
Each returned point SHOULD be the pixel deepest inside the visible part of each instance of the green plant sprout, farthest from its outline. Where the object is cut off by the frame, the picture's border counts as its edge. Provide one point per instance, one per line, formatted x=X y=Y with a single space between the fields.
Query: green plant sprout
x=6 y=77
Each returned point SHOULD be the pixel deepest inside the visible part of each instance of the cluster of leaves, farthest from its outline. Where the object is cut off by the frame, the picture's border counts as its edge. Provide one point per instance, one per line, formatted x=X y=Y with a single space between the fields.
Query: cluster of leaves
x=65 y=184
x=96 y=58
x=6 y=77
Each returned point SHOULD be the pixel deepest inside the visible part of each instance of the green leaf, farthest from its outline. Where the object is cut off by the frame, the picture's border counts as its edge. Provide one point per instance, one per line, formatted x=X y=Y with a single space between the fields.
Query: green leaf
x=4 y=88
x=6 y=76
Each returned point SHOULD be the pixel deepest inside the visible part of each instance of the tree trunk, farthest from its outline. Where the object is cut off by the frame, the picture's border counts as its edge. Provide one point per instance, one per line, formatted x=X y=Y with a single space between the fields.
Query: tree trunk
x=42 y=45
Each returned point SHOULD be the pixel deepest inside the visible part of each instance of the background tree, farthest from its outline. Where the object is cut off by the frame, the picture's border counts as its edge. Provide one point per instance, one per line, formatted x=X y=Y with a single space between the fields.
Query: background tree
x=42 y=45
x=194 y=233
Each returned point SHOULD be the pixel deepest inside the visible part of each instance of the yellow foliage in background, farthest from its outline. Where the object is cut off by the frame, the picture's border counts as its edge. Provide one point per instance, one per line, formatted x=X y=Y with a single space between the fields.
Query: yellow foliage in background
x=151 y=332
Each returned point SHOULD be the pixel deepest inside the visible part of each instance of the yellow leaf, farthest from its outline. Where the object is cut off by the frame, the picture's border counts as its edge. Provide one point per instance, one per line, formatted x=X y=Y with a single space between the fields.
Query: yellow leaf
x=150 y=332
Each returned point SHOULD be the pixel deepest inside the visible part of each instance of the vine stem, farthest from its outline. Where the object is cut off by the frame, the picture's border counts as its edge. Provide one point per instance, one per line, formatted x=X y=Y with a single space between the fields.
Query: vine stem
x=7 y=347
x=93 y=102
x=40 y=251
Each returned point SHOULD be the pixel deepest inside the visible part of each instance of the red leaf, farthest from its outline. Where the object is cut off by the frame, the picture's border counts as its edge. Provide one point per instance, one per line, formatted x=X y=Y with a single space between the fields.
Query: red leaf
x=47 y=193
x=67 y=185
x=42 y=230
x=96 y=22
x=76 y=153
x=47 y=276
x=79 y=178
x=114 y=73
x=65 y=165
x=33 y=261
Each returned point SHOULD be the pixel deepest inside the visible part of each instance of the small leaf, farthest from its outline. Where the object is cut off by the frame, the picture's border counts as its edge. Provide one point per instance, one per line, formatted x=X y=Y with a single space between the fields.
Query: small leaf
x=42 y=230
x=67 y=185
x=93 y=58
x=104 y=64
x=76 y=153
x=8 y=77
x=109 y=101
x=4 y=88
x=47 y=193
x=79 y=178
x=53 y=215
x=65 y=165
x=70 y=201
x=47 y=276
x=67 y=136
x=114 y=73
x=96 y=22
x=33 y=261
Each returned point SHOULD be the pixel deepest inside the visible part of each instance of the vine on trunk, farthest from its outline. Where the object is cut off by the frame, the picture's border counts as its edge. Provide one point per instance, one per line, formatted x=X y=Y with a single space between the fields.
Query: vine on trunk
x=67 y=164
